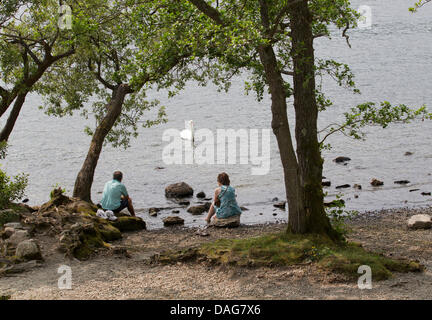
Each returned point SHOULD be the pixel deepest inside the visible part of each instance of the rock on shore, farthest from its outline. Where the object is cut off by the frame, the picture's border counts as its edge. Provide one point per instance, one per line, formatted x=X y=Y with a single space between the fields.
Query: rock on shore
x=420 y=221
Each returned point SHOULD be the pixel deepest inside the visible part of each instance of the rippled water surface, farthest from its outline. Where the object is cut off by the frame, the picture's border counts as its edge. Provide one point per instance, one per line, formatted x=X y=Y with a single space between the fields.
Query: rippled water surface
x=392 y=61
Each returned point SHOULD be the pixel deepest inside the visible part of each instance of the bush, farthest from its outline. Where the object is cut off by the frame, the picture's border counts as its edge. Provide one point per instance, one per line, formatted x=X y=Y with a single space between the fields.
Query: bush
x=11 y=189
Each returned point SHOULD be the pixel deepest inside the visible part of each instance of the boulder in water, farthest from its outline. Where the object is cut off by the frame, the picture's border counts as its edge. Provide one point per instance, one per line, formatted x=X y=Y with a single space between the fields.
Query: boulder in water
x=199 y=209
x=342 y=159
x=178 y=190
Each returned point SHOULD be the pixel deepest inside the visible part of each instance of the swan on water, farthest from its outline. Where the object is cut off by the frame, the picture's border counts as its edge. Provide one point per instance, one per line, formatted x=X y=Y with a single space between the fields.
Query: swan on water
x=188 y=132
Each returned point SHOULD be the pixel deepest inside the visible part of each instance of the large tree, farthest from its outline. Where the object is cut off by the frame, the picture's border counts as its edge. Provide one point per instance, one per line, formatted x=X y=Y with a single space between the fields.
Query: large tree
x=31 y=41
x=146 y=44
x=274 y=41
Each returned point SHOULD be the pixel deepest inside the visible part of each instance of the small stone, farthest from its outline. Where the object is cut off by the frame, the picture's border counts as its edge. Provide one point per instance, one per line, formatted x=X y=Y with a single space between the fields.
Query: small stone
x=280 y=205
x=357 y=186
x=343 y=186
x=401 y=182
x=201 y=195
x=408 y=153
x=184 y=203
x=341 y=159
x=28 y=250
x=412 y=190
x=153 y=212
x=376 y=182
x=420 y=221
x=275 y=199
x=172 y=220
x=244 y=209
x=326 y=183
x=175 y=211
x=425 y=193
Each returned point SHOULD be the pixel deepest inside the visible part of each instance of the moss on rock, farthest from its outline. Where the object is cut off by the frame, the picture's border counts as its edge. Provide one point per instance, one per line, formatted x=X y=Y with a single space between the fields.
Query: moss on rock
x=129 y=224
x=109 y=232
x=283 y=249
x=9 y=215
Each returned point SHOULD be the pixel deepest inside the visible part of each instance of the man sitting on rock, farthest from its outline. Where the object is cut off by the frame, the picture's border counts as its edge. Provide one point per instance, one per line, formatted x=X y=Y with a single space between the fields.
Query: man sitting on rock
x=115 y=196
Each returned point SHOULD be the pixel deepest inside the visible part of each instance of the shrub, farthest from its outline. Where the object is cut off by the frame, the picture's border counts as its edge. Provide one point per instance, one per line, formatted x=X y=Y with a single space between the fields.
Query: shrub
x=11 y=189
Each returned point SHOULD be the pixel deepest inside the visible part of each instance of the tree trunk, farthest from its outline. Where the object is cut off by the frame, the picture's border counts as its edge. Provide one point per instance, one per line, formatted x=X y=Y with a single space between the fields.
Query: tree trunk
x=306 y=109
x=280 y=126
x=10 y=123
x=84 y=180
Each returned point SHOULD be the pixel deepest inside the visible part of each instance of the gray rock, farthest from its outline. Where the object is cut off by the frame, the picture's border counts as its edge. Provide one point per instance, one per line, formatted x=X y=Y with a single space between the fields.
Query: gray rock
x=8 y=232
x=28 y=250
x=18 y=236
x=178 y=190
x=14 y=225
x=172 y=220
x=420 y=221
x=231 y=222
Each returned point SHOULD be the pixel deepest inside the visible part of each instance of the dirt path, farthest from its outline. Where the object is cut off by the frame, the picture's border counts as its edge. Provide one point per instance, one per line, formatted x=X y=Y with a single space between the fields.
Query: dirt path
x=119 y=275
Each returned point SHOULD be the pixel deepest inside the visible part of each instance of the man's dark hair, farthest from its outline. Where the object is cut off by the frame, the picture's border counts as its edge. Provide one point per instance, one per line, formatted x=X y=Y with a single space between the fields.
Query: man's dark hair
x=118 y=176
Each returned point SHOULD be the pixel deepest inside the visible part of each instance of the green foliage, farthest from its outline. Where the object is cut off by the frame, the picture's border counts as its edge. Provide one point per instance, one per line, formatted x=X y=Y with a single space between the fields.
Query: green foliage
x=369 y=114
x=418 y=5
x=57 y=191
x=11 y=189
x=339 y=216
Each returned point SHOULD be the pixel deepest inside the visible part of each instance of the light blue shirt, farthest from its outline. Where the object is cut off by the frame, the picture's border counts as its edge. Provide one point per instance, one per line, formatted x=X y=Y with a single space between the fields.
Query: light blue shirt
x=111 y=198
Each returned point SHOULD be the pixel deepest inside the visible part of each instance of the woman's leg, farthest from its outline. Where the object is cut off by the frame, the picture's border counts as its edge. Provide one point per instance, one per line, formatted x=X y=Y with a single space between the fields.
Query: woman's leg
x=211 y=213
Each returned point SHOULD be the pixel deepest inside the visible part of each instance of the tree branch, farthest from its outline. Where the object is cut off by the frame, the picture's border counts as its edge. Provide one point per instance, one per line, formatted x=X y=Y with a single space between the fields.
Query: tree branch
x=209 y=11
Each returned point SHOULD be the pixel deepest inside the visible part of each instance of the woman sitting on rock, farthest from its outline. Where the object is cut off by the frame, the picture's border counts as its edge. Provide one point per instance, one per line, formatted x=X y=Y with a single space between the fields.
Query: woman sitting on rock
x=224 y=204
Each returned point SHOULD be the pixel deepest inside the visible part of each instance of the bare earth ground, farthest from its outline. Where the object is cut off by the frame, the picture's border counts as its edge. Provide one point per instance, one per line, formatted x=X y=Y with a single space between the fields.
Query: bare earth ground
x=115 y=274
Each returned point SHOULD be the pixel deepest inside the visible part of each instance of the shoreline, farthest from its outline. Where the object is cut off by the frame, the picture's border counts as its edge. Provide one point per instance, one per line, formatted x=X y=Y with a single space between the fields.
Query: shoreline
x=124 y=271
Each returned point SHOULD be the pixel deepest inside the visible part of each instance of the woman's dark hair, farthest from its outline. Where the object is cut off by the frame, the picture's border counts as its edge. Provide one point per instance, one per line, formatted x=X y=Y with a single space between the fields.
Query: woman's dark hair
x=223 y=178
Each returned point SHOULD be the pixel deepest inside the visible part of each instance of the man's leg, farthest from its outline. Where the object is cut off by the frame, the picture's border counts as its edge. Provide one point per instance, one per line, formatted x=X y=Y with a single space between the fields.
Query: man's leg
x=130 y=207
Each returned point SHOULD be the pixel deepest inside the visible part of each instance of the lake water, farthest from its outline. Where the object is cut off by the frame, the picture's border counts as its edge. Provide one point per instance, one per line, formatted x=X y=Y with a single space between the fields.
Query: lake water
x=391 y=61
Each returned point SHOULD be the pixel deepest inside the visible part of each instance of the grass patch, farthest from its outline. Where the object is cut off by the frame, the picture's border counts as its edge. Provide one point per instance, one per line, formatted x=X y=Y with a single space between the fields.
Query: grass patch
x=283 y=249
